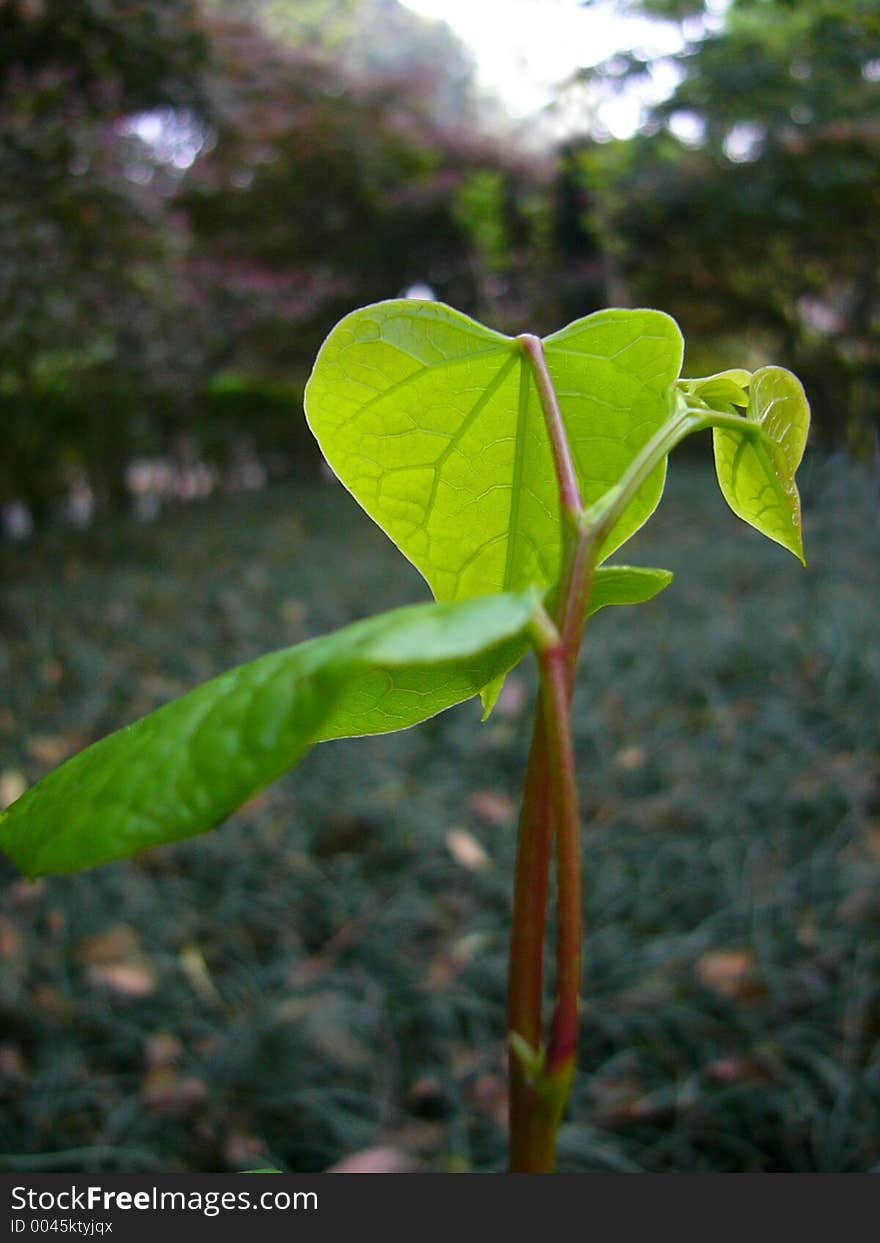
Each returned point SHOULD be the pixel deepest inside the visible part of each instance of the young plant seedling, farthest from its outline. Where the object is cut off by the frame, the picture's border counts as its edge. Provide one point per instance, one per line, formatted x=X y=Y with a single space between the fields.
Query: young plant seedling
x=508 y=470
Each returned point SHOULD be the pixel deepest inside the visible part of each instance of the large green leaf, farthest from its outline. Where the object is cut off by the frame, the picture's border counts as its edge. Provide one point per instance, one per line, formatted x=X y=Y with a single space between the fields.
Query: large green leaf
x=433 y=422
x=186 y=766
x=756 y=474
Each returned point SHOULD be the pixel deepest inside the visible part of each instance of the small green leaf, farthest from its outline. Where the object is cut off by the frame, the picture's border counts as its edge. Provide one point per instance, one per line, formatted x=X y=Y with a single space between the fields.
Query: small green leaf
x=727 y=388
x=185 y=767
x=433 y=422
x=625 y=584
x=612 y=584
x=756 y=474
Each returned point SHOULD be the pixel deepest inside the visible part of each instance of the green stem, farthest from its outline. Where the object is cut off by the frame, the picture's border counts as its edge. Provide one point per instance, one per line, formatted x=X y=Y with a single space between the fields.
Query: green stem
x=600 y=521
x=684 y=422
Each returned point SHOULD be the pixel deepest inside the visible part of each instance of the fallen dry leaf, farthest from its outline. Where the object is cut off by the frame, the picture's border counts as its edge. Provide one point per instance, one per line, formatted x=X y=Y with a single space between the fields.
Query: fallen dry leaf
x=729 y=973
x=24 y=892
x=50 y=749
x=293 y=612
x=492 y=806
x=12 y=786
x=446 y=966
x=114 y=959
x=488 y=1095
x=166 y=1091
x=56 y=923
x=630 y=759
x=466 y=850
x=114 y=944
x=52 y=672
x=240 y=1148
x=11 y=942
x=12 y=1064
x=52 y=1001
x=129 y=979
x=378 y=1160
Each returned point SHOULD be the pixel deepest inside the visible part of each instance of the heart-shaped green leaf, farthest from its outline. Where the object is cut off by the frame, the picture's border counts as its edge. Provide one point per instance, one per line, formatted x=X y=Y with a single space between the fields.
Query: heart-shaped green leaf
x=433 y=422
x=756 y=473
x=186 y=766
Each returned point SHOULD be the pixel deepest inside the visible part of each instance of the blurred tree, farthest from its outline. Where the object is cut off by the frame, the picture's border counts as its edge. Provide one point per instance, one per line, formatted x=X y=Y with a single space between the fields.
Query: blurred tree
x=376 y=41
x=93 y=339
x=751 y=201
x=195 y=190
x=335 y=179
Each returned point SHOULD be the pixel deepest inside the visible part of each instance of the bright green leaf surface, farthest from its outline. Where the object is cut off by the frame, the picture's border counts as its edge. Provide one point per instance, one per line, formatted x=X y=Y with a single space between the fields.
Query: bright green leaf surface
x=756 y=475
x=433 y=422
x=625 y=584
x=613 y=373
x=186 y=766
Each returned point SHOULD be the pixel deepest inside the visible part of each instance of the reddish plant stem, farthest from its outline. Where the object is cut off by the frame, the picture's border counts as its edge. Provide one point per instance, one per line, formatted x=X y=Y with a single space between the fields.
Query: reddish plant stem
x=569 y=488
x=555 y=699
x=540 y=1078
x=528 y=1138
x=535 y=1114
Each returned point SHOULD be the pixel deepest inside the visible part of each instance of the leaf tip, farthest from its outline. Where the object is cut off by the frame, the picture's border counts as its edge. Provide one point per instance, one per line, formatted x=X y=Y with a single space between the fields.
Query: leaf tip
x=489 y=697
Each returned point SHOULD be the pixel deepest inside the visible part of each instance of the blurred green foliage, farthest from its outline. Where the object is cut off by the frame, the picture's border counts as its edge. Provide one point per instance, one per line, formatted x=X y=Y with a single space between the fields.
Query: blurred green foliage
x=762 y=221
x=199 y=189
x=194 y=190
x=93 y=328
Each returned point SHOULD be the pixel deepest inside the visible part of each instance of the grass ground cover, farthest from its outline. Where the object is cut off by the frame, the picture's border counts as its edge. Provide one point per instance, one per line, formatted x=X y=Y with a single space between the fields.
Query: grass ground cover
x=328 y=970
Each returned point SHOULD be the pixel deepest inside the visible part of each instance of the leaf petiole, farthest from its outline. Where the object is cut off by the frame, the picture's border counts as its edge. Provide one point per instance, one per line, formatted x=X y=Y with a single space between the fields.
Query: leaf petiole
x=569 y=489
x=597 y=521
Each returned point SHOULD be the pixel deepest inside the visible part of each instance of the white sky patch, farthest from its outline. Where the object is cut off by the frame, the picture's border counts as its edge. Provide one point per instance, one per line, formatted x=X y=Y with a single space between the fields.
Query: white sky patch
x=688 y=128
x=174 y=138
x=524 y=49
x=743 y=142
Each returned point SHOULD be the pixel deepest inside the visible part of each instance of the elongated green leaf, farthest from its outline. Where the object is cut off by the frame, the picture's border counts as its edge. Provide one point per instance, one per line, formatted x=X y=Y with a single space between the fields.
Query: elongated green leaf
x=186 y=766
x=433 y=422
x=757 y=475
x=625 y=584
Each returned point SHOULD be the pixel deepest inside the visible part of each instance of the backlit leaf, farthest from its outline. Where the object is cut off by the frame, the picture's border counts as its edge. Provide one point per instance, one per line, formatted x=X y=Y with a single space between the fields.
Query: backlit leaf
x=186 y=766
x=756 y=475
x=433 y=422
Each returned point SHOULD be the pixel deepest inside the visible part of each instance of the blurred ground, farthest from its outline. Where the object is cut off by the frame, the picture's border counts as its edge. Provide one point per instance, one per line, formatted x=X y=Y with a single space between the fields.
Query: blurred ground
x=326 y=971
